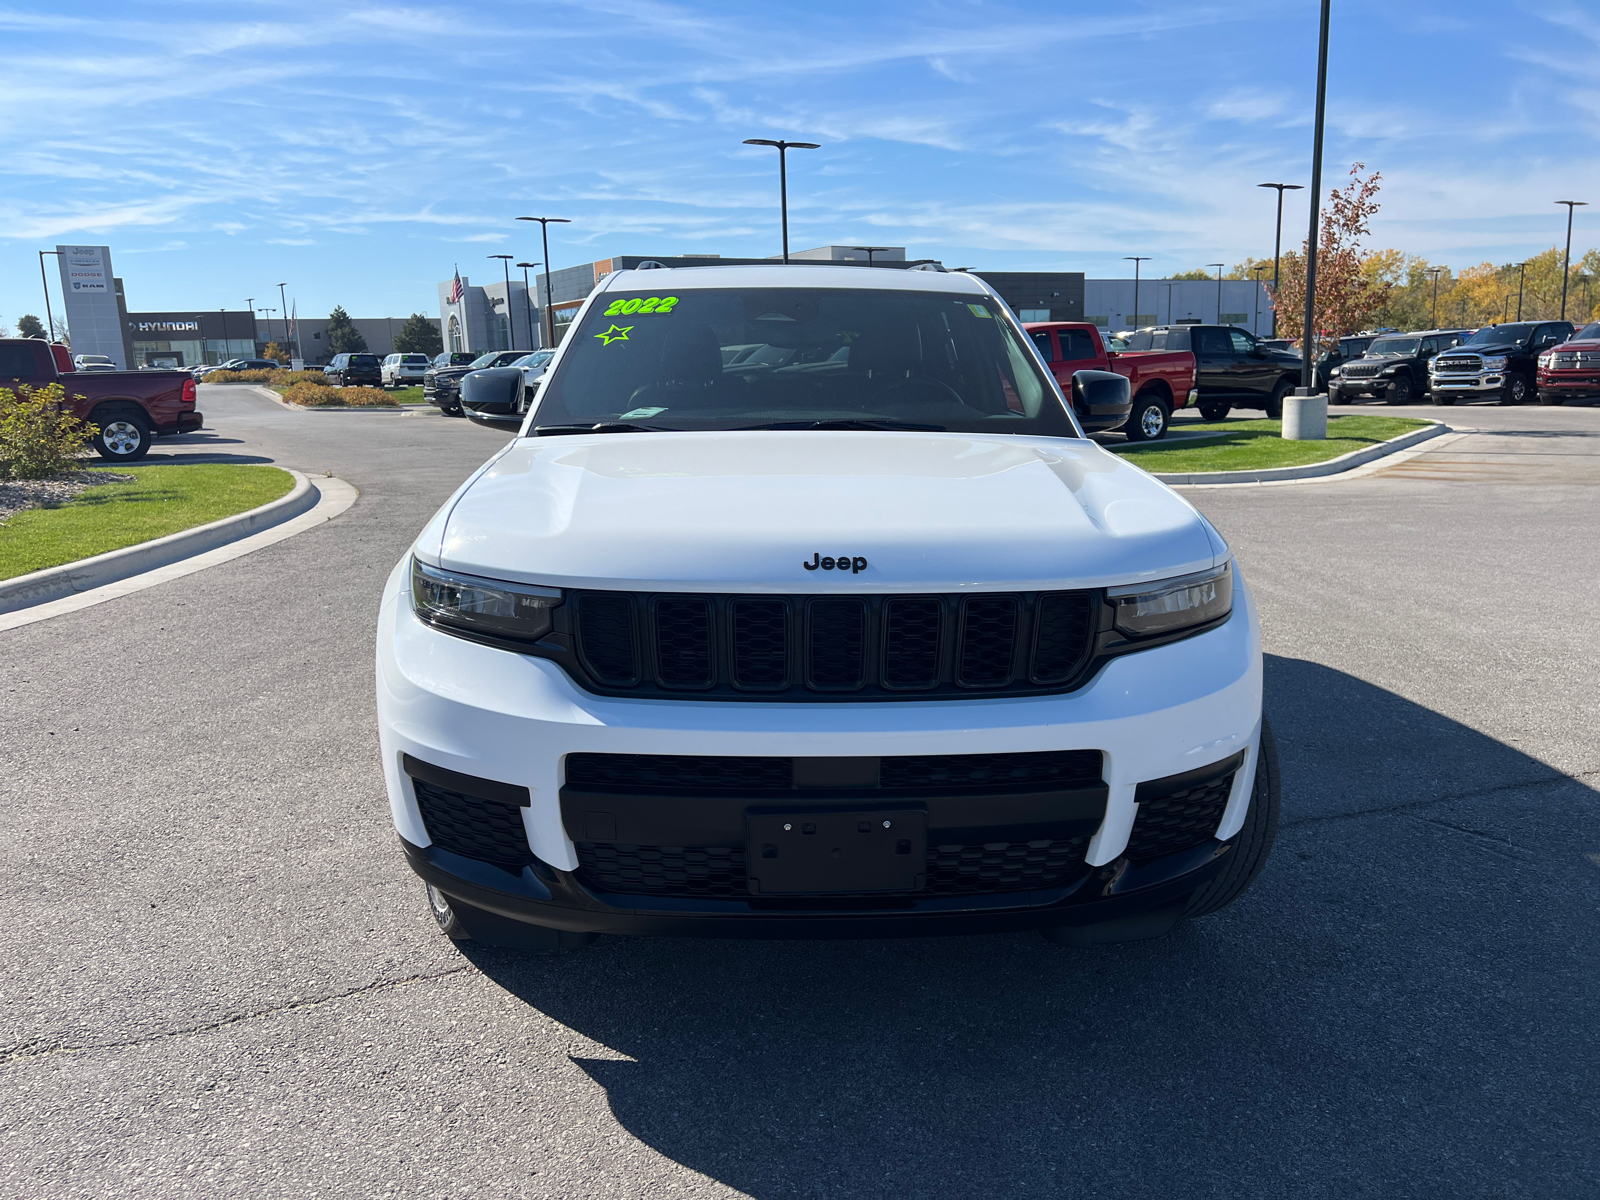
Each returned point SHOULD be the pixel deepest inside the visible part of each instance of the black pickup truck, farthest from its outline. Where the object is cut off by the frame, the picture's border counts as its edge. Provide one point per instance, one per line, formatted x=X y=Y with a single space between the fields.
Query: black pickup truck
x=1232 y=367
x=1499 y=362
x=1393 y=368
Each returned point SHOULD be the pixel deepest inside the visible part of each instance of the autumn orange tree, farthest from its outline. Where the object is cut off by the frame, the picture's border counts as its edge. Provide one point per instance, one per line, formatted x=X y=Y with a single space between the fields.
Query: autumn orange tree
x=1348 y=298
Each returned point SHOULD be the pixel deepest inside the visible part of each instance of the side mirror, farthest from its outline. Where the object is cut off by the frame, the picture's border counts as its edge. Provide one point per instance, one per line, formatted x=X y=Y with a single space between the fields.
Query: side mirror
x=1101 y=392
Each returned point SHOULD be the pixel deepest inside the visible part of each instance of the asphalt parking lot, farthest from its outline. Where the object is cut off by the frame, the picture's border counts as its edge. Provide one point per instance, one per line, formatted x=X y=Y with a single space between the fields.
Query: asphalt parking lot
x=219 y=978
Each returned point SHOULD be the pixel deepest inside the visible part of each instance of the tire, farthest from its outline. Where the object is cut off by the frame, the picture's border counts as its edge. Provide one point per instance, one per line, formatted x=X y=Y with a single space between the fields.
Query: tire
x=1516 y=390
x=1274 y=403
x=1148 y=420
x=453 y=410
x=123 y=435
x=462 y=922
x=1399 y=391
x=1214 y=410
x=1335 y=396
x=1442 y=399
x=1550 y=400
x=1254 y=842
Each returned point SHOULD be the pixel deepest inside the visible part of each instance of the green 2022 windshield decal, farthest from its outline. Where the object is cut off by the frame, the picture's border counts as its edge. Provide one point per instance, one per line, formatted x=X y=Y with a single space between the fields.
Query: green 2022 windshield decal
x=637 y=304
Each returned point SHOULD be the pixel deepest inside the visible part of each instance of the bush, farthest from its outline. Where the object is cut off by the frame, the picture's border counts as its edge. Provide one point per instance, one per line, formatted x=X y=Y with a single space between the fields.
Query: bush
x=240 y=376
x=38 y=436
x=313 y=378
x=352 y=397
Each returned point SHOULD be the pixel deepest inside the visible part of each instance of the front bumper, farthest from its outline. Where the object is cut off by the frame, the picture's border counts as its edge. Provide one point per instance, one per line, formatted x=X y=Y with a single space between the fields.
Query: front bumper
x=497 y=715
x=1563 y=387
x=1484 y=382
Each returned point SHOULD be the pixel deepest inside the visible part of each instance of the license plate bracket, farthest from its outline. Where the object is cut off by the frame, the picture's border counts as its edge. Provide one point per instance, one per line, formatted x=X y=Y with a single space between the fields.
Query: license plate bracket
x=831 y=850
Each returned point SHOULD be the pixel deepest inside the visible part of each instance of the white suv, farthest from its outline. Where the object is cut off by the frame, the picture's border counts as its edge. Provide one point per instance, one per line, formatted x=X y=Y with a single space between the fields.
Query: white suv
x=403 y=370
x=864 y=638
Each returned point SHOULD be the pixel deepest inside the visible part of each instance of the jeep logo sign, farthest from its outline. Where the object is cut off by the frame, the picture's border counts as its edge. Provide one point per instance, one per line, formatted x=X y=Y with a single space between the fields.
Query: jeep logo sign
x=843 y=563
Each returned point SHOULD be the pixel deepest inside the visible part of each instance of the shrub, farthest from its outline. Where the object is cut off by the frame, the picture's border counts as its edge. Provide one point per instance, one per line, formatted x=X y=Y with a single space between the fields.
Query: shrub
x=313 y=378
x=240 y=376
x=38 y=436
x=352 y=397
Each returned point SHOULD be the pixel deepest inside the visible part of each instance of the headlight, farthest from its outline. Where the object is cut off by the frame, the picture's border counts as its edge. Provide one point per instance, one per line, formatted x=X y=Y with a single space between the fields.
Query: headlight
x=1497 y=363
x=1168 y=605
x=1335 y=373
x=486 y=606
x=1547 y=361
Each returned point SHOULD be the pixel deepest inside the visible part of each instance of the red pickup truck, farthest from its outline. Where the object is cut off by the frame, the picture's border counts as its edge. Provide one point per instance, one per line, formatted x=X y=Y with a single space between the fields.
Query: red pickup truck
x=1160 y=380
x=131 y=408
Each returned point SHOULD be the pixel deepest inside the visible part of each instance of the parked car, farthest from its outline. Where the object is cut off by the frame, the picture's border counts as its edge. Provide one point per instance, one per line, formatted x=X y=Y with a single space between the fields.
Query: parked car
x=130 y=408
x=347 y=370
x=1393 y=367
x=1571 y=370
x=94 y=362
x=1346 y=349
x=441 y=384
x=403 y=370
x=1159 y=381
x=1498 y=362
x=872 y=644
x=1233 y=369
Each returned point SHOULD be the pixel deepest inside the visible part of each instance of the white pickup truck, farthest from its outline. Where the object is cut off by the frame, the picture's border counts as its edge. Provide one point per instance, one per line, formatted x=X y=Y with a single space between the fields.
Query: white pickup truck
x=858 y=635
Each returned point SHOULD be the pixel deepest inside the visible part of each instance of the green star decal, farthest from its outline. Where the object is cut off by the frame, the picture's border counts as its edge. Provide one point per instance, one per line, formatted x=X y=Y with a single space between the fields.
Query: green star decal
x=614 y=334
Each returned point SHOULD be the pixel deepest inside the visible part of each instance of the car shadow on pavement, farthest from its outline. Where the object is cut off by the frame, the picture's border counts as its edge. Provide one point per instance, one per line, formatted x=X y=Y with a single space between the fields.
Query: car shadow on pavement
x=1406 y=1003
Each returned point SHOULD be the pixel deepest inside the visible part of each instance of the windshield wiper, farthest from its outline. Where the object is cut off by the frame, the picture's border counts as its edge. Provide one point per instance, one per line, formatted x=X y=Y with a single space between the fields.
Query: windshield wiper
x=845 y=424
x=602 y=427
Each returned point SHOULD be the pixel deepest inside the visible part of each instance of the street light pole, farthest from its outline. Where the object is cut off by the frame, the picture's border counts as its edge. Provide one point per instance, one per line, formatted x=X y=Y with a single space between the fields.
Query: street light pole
x=1308 y=369
x=527 y=298
x=783 y=179
x=511 y=322
x=1522 y=274
x=1135 y=259
x=1219 y=267
x=1435 y=272
x=1566 y=263
x=871 y=250
x=544 y=229
x=49 y=317
x=285 y=300
x=1277 y=244
x=1255 y=321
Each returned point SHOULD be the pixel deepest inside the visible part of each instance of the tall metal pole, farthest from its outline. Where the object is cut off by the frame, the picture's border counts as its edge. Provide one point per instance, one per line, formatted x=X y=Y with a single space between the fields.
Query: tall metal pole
x=1308 y=369
x=511 y=322
x=250 y=306
x=1277 y=244
x=1435 y=272
x=1135 y=259
x=283 y=297
x=1219 y=267
x=527 y=295
x=1255 y=321
x=1566 y=262
x=1522 y=274
x=49 y=317
x=544 y=228
x=783 y=178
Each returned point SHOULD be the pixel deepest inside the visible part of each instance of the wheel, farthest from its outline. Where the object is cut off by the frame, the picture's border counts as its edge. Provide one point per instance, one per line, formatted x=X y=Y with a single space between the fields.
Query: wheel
x=1148 y=420
x=462 y=922
x=452 y=410
x=1442 y=399
x=1335 y=396
x=1516 y=390
x=1549 y=399
x=1274 y=404
x=124 y=435
x=1399 y=391
x=1214 y=410
x=1254 y=842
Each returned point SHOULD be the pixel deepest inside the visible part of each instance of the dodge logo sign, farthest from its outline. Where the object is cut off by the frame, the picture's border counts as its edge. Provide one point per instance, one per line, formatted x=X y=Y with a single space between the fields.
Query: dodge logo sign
x=843 y=563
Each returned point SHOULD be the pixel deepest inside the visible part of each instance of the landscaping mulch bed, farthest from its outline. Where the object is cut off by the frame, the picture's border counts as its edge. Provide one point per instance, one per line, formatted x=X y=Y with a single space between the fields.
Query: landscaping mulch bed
x=16 y=495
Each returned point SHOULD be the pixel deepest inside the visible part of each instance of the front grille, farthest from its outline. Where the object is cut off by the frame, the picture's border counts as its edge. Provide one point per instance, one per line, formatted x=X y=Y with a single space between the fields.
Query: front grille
x=810 y=647
x=1569 y=360
x=1179 y=819
x=697 y=774
x=1462 y=362
x=717 y=872
x=488 y=830
x=1362 y=370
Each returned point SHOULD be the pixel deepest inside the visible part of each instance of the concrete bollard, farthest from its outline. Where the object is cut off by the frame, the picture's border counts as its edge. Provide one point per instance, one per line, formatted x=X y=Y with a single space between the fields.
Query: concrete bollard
x=1305 y=418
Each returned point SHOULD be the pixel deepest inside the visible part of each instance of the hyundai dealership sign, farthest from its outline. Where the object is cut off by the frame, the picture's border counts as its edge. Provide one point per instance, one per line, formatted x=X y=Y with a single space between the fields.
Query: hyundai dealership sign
x=92 y=318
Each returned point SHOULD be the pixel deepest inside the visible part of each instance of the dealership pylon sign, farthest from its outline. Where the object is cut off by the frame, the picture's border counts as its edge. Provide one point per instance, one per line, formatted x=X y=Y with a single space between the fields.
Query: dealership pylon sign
x=93 y=322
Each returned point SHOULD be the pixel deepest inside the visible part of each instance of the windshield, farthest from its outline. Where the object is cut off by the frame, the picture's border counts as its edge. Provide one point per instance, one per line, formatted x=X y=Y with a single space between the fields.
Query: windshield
x=732 y=358
x=1384 y=346
x=537 y=359
x=1500 y=335
x=410 y=359
x=1589 y=333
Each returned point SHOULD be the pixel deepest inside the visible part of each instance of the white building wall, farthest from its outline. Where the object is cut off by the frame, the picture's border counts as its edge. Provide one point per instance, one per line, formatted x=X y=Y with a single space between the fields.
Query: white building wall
x=1109 y=303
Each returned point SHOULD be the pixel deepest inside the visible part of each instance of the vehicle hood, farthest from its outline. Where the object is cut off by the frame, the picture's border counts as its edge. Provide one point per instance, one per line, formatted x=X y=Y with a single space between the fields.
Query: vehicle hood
x=1486 y=348
x=451 y=372
x=744 y=511
x=1575 y=345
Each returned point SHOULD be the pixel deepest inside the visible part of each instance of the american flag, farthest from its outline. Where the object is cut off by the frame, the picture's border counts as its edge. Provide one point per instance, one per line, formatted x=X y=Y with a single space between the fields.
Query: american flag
x=456 y=290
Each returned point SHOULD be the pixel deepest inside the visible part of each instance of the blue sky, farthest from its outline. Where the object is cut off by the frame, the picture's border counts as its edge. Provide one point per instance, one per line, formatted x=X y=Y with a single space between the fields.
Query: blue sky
x=360 y=150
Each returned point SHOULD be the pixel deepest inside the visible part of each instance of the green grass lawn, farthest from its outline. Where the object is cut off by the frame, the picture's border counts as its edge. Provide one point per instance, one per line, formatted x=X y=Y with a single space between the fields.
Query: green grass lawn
x=409 y=395
x=160 y=500
x=1257 y=445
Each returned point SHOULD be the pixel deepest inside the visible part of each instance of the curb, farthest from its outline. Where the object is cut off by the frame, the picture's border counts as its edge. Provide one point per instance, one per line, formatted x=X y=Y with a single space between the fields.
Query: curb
x=52 y=583
x=1334 y=466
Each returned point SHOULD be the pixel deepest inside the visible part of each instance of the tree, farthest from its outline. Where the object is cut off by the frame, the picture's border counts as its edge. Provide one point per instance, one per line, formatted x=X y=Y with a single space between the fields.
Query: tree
x=343 y=336
x=419 y=335
x=30 y=326
x=58 y=326
x=276 y=352
x=1197 y=273
x=1348 y=299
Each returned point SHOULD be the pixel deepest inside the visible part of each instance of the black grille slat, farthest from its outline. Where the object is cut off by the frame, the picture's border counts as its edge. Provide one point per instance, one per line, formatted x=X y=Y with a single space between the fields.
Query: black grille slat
x=1063 y=636
x=1179 y=819
x=682 y=772
x=607 y=637
x=760 y=644
x=1004 y=866
x=487 y=830
x=836 y=650
x=988 y=641
x=683 y=642
x=1050 y=768
x=911 y=629
x=696 y=773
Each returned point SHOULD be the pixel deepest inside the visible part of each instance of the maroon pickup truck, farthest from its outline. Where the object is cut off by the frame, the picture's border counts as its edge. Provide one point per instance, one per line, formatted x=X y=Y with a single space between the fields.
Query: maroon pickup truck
x=1160 y=380
x=131 y=408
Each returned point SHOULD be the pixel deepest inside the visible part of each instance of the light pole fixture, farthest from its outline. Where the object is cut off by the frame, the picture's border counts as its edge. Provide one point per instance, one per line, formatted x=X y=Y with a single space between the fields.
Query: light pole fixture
x=1255 y=322
x=544 y=228
x=527 y=298
x=1505 y=309
x=1135 y=259
x=871 y=250
x=1277 y=244
x=250 y=307
x=1566 y=263
x=783 y=178
x=285 y=299
x=49 y=317
x=1308 y=370
x=511 y=322
x=1219 y=267
x=1435 y=272
x=1522 y=274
